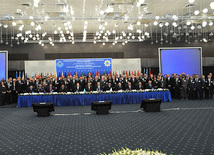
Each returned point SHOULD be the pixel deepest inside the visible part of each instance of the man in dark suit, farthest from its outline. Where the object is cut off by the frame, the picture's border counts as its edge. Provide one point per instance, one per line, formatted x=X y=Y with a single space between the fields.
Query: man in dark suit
x=3 y=91
x=27 y=84
x=191 y=87
x=178 y=87
x=203 y=86
x=119 y=86
x=155 y=83
x=50 y=88
x=139 y=86
x=9 y=91
x=149 y=85
x=40 y=89
x=98 y=87
x=81 y=82
x=89 y=87
x=133 y=82
x=73 y=82
x=108 y=87
x=56 y=84
x=129 y=87
x=198 y=83
x=19 y=86
x=63 y=89
x=31 y=89
x=77 y=88
x=209 y=87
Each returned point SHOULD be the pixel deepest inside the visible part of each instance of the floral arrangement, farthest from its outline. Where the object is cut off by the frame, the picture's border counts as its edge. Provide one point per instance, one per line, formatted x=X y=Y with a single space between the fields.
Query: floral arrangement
x=126 y=151
x=95 y=92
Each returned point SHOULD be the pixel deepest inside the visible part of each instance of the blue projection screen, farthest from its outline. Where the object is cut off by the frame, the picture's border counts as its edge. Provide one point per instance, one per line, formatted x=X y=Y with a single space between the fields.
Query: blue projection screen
x=179 y=60
x=3 y=65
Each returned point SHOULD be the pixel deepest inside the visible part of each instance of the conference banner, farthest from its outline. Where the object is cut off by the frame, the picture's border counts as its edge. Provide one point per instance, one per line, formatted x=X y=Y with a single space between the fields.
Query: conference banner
x=80 y=67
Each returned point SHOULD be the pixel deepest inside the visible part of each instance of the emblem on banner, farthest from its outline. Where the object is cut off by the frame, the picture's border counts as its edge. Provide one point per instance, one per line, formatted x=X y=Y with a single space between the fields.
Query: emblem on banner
x=107 y=63
x=60 y=64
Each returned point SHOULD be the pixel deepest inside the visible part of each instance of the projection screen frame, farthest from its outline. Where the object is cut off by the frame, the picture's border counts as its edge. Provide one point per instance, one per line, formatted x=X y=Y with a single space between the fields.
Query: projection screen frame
x=6 y=63
x=168 y=48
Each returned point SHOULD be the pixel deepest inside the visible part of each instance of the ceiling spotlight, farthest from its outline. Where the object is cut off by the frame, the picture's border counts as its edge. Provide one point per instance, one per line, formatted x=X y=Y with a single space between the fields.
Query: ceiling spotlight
x=175 y=17
x=146 y=25
x=116 y=25
x=157 y=17
x=102 y=12
x=204 y=24
x=110 y=9
x=32 y=24
x=196 y=12
x=5 y=26
x=72 y=12
x=161 y=25
x=36 y=3
x=191 y=1
x=166 y=24
x=188 y=23
x=138 y=23
x=59 y=28
x=205 y=10
x=192 y=27
x=155 y=23
x=86 y=22
x=103 y=43
x=174 y=24
x=210 y=23
x=31 y=17
x=43 y=44
x=20 y=28
x=212 y=5
x=14 y=23
x=65 y=9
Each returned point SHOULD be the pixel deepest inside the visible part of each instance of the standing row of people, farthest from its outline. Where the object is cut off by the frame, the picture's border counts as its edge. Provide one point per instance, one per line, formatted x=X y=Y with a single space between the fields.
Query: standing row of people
x=181 y=86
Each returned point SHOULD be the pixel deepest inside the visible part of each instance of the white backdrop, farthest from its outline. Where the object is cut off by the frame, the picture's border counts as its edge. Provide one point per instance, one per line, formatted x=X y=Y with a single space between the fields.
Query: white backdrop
x=49 y=66
x=38 y=67
x=120 y=65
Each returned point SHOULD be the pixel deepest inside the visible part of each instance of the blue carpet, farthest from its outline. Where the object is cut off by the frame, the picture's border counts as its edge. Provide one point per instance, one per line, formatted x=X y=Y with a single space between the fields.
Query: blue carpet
x=182 y=127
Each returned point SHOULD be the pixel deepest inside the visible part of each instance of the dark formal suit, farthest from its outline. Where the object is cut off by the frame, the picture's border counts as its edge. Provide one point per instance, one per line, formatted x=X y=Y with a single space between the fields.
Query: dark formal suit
x=31 y=90
x=149 y=86
x=63 y=90
x=119 y=87
x=209 y=87
x=88 y=89
x=3 y=92
x=191 y=87
x=50 y=89
x=198 y=92
x=178 y=87
x=77 y=89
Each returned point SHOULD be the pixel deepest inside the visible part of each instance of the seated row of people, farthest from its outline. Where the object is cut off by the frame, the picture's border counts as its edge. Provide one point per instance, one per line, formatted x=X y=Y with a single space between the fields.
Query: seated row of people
x=88 y=88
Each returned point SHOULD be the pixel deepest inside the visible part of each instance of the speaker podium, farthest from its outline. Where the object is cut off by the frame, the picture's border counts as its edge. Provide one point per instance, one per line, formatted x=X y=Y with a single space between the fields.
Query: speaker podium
x=101 y=107
x=43 y=109
x=151 y=105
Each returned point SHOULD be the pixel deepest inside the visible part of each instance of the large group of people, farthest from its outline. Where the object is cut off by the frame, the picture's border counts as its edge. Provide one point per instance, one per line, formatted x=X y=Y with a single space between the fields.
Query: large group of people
x=181 y=86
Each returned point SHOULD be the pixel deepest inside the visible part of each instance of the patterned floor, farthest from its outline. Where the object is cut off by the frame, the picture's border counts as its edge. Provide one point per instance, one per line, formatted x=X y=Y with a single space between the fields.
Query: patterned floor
x=182 y=127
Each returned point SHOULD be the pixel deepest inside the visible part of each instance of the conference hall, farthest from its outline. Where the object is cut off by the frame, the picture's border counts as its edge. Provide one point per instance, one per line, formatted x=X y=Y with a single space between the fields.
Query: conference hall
x=106 y=77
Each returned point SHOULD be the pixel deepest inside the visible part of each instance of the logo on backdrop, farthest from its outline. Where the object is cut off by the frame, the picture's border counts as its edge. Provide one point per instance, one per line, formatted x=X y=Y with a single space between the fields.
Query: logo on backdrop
x=107 y=63
x=60 y=64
